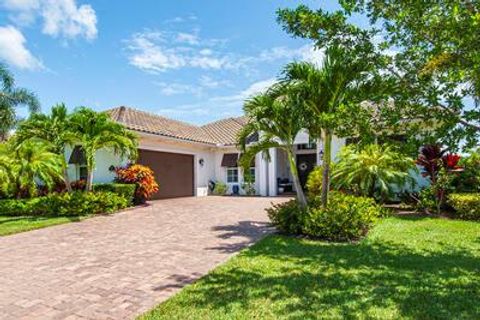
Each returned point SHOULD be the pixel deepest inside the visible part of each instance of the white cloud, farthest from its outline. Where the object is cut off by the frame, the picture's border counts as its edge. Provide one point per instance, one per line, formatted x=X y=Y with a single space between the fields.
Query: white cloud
x=170 y=89
x=188 y=38
x=14 y=52
x=222 y=106
x=304 y=53
x=153 y=51
x=60 y=18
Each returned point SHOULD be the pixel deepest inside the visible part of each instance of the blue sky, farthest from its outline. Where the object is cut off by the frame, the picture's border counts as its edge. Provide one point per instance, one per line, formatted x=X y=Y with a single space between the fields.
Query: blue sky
x=190 y=60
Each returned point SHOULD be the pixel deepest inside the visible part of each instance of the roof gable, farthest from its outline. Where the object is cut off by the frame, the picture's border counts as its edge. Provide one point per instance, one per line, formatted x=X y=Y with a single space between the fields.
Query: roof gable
x=222 y=132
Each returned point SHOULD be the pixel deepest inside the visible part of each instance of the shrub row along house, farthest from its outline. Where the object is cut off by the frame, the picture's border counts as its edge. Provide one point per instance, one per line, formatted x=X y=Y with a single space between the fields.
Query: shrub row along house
x=186 y=158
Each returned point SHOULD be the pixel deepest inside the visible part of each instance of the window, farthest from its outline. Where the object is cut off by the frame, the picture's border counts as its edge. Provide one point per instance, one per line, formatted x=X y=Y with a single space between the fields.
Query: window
x=252 y=175
x=232 y=175
x=82 y=173
x=307 y=146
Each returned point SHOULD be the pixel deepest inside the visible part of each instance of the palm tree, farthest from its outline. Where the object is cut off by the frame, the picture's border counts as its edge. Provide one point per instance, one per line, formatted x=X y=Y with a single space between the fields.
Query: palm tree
x=277 y=116
x=374 y=170
x=26 y=163
x=97 y=131
x=54 y=129
x=328 y=90
x=10 y=98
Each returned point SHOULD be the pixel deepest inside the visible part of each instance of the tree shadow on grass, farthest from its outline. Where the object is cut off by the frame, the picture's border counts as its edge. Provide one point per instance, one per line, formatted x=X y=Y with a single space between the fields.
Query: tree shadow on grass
x=38 y=218
x=305 y=279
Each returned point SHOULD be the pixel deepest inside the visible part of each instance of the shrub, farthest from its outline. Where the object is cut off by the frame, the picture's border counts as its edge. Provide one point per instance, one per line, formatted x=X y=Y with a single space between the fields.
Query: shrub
x=122 y=189
x=374 y=171
x=466 y=205
x=220 y=188
x=142 y=176
x=469 y=179
x=314 y=182
x=65 y=204
x=287 y=217
x=346 y=218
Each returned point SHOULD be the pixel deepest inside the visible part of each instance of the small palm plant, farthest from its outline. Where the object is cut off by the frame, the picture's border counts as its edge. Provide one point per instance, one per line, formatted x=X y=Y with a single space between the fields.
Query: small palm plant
x=54 y=129
x=97 y=131
x=27 y=164
x=375 y=171
x=277 y=116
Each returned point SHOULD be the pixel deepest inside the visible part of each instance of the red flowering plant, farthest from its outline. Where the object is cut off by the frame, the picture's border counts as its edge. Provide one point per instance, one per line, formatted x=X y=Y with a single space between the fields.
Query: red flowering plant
x=438 y=166
x=140 y=175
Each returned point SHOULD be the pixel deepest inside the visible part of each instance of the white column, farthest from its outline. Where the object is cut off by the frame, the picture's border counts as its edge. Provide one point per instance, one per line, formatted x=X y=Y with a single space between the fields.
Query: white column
x=272 y=173
x=319 y=151
x=262 y=174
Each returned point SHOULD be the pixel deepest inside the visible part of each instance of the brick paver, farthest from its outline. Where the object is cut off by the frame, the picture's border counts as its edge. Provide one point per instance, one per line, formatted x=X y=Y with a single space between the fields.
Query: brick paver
x=119 y=266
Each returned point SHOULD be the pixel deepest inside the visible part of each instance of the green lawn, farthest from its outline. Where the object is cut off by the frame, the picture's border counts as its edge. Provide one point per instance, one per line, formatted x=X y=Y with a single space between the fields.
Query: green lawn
x=407 y=268
x=10 y=225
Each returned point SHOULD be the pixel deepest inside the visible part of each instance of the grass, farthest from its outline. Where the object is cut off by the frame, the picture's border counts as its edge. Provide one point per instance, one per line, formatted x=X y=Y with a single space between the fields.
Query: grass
x=11 y=225
x=407 y=268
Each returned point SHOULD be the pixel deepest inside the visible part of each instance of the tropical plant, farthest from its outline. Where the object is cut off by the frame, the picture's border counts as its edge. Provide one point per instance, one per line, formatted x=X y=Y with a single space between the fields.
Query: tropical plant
x=97 y=131
x=469 y=179
x=373 y=171
x=12 y=97
x=329 y=92
x=54 y=129
x=277 y=116
x=433 y=158
x=142 y=176
x=28 y=163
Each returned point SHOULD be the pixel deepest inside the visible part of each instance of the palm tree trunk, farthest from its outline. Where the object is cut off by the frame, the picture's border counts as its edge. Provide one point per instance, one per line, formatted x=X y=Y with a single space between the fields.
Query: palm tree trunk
x=302 y=200
x=89 y=186
x=66 y=179
x=327 y=158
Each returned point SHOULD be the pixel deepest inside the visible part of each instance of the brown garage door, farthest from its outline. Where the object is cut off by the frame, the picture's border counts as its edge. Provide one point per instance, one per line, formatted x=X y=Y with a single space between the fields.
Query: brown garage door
x=173 y=172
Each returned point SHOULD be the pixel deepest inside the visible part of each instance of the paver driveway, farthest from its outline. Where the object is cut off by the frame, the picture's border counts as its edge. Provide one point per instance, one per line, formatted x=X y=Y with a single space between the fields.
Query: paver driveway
x=116 y=267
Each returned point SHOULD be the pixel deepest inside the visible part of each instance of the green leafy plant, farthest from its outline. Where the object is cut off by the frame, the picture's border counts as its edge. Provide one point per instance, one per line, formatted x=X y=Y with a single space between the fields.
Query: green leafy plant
x=54 y=129
x=26 y=165
x=220 y=188
x=346 y=218
x=469 y=179
x=12 y=97
x=122 y=189
x=97 y=131
x=65 y=204
x=466 y=205
x=374 y=171
x=331 y=92
x=287 y=217
x=279 y=115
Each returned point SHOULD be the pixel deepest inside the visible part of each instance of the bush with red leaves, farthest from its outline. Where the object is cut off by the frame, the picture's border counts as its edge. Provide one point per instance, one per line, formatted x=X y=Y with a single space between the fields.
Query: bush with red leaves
x=140 y=175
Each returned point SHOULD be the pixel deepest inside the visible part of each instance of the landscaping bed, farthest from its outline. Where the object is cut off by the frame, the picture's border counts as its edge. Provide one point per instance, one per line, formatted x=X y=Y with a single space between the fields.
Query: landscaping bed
x=406 y=268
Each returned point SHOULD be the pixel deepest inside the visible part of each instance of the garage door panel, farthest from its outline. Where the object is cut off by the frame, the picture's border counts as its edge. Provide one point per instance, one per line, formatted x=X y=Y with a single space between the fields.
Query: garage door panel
x=173 y=172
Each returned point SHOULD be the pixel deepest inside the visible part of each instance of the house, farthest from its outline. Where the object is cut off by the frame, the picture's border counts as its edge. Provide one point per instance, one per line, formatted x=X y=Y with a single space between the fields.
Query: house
x=186 y=157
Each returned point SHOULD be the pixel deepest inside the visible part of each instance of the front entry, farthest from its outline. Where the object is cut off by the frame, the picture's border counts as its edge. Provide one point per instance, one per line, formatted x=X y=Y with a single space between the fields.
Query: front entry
x=305 y=164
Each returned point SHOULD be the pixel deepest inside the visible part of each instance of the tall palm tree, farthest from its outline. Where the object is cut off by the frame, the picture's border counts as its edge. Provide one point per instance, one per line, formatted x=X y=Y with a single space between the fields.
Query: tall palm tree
x=10 y=98
x=97 y=131
x=277 y=116
x=54 y=129
x=28 y=162
x=340 y=80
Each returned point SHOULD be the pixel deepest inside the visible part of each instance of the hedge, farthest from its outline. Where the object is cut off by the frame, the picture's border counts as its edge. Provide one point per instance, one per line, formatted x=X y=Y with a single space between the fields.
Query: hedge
x=466 y=205
x=122 y=189
x=65 y=204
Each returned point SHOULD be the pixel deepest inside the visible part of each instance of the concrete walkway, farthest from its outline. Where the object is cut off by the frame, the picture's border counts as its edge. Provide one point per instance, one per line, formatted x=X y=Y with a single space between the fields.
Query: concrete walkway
x=119 y=266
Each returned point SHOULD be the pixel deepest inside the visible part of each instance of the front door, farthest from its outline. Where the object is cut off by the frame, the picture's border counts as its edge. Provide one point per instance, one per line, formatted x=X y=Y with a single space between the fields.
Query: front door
x=305 y=164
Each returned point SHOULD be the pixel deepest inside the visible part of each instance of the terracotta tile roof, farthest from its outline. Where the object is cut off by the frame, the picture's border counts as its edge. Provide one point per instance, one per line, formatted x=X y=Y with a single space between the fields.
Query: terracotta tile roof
x=222 y=132
x=225 y=131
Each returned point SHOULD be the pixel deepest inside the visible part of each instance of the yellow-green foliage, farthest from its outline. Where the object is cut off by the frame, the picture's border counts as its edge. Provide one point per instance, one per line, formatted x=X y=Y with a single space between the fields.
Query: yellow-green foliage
x=466 y=205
